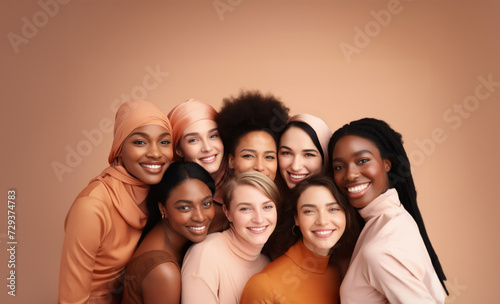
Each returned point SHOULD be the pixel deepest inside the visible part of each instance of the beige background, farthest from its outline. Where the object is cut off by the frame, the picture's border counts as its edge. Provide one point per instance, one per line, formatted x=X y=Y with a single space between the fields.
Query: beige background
x=414 y=71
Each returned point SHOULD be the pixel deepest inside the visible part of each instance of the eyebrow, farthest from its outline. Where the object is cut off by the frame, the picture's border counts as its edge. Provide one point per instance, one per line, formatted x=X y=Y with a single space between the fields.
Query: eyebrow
x=198 y=133
x=315 y=206
x=248 y=203
x=358 y=153
x=147 y=135
x=305 y=150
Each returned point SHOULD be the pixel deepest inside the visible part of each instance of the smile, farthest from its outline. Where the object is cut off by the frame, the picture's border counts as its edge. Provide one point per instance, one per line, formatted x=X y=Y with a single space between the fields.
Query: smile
x=297 y=177
x=197 y=229
x=208 y=159
x=323 y=233
x=151 y=166
x=357 y=189
x=257 y=229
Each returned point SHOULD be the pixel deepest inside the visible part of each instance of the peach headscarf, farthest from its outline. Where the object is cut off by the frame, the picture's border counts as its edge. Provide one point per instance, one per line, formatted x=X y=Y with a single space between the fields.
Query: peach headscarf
x=126 y=191
x=320 y=127
x=187 y=113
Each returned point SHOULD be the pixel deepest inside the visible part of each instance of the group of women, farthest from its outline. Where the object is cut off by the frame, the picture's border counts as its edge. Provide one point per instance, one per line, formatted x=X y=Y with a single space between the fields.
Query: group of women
x=248 y=205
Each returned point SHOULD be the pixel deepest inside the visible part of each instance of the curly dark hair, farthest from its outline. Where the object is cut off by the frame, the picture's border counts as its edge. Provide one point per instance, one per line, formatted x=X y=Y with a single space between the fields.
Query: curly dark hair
x=250 y=111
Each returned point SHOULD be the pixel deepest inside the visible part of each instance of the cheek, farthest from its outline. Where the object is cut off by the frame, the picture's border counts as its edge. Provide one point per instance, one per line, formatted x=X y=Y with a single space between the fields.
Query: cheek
x=315 y=166
x=284 y=162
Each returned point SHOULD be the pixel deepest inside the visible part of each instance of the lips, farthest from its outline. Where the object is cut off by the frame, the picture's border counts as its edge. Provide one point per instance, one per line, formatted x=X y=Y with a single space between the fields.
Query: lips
x=257 y=230
x=357 y=190
x=198 y=229
x=152 y=168
x=324 y=233
x=295 y=178
x=209 y=159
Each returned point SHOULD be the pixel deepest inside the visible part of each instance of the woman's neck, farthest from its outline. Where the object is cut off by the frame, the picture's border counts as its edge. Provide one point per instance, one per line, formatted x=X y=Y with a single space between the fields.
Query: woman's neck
x=242 y=247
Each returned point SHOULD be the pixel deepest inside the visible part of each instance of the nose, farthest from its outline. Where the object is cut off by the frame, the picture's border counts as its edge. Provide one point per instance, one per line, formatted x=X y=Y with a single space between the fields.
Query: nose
x=352 y=172
x=153 y=151
x=297 y=163
x=205 y=146
x=257 y=216
x=258 y=164
x=321 y=218
x=197 y=215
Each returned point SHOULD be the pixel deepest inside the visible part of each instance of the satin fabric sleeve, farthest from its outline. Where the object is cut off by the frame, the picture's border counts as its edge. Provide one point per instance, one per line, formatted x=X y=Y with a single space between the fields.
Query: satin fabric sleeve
x=398 y=277
x=259 y=290
x=85 y=227
x=200 y=277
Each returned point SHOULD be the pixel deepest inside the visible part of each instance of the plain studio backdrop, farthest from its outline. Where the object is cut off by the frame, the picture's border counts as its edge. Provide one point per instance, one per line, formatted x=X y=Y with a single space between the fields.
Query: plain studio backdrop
x=429 y=68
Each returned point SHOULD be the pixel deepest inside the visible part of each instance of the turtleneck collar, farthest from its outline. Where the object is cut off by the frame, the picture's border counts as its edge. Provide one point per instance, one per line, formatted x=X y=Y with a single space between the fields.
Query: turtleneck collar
x=306 y=259
x=384 y=203
x=240 y=247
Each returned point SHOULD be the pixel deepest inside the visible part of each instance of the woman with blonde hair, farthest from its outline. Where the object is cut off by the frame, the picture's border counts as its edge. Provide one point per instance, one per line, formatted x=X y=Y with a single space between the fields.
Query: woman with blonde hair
x=217 y=269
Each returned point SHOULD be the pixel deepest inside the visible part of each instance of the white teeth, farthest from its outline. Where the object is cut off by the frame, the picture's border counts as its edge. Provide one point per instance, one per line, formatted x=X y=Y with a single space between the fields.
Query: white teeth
x=257 y=228
x=151 y=166
x=323 y=232
x=296 y=176
x=198 y=228
x=357 y=188
x=208 y=158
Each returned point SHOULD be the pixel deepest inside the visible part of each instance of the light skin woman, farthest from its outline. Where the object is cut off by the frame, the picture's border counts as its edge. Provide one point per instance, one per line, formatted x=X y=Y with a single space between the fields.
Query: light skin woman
x=104 y=223
x=250 y=126
x=393 y=260
x=218 y=268
x=303 y=148
x=317 y=217
x=196 y=139
x=180 y=209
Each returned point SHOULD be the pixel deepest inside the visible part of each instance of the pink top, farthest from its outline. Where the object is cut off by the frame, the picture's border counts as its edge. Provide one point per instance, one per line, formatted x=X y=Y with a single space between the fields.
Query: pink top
x=217 y=269
x=390 y=263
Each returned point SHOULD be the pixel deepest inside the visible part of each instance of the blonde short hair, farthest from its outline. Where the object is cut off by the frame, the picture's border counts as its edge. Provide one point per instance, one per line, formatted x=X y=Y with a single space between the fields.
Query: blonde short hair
x=251 y=178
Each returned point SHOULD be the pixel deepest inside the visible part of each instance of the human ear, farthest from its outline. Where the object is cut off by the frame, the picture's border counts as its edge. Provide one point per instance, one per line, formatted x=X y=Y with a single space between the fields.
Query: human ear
x=387 y=165
x=231 y=161
x=179 y=153
x=163 y=210
x=226 y=212
x=296 y=218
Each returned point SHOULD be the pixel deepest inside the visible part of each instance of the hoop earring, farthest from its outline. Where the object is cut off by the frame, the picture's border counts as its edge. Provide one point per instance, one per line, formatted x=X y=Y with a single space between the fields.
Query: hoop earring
x=293 y=230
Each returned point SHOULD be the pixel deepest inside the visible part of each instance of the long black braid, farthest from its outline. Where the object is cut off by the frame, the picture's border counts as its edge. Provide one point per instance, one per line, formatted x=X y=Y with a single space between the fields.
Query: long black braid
x=390 y=145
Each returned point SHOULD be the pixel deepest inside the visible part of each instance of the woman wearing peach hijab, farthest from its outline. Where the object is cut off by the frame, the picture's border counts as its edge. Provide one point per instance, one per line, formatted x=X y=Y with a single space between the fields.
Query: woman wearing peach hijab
x=105 y=221
x=196 y=139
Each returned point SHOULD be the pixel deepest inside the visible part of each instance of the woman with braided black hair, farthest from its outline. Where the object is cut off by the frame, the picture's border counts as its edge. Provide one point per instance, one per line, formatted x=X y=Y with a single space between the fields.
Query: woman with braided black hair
x=393 y=261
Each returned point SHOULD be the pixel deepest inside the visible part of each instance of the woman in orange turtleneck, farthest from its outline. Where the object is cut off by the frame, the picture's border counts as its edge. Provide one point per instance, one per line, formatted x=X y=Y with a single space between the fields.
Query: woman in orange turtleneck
x=105 y=222
x=314 y=221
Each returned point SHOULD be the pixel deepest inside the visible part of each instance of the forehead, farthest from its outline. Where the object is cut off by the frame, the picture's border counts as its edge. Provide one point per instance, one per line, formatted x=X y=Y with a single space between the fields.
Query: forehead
x=296 y=137
x=316 y=195
x=200 y=126
x=350 y=144
x=248 y=194
x=256 y=140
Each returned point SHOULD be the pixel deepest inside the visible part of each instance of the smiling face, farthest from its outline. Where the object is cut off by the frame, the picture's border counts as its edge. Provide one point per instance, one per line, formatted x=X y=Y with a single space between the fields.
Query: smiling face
x=359 y=170
x=189 y=210
x=298 y=157
x=252 y=214
x=200 y=143
x=147 y=153
x=255 y=150
x=320 y=219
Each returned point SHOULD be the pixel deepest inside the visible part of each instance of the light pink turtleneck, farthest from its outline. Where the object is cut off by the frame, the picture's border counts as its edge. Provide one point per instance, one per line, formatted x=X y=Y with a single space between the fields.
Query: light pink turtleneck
x=217 y=269
x=390 y=263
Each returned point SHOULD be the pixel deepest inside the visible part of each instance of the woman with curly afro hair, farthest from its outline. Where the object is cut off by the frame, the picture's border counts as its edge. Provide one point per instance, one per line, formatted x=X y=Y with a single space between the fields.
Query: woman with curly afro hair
x=250 y=126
